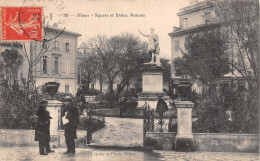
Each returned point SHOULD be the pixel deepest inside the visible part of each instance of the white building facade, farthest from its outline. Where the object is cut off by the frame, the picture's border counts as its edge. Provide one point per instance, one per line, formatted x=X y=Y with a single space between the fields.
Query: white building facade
x=59 y=62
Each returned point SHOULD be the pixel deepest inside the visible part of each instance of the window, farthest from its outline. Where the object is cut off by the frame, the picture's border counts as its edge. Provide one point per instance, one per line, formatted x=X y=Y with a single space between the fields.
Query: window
x=185 y=22
x=67 y=88
x=177 y=45
x=57 y=46
x=207 y=17
x=44 y=64
x=67 y=46
x=56 y=65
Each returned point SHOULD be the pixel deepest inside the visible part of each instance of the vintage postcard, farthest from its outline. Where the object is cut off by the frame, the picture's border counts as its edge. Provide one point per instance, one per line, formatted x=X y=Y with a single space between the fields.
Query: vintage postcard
x=129 y=80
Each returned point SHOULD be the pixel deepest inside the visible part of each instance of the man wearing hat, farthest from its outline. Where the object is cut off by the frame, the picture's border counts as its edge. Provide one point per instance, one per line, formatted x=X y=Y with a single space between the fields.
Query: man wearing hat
x=70 y=112
x=42 y=129
x=161 y=106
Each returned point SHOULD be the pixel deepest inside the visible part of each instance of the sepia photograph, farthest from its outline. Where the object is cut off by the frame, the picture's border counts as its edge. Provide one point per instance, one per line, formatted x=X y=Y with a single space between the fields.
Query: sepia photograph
x=129 y=80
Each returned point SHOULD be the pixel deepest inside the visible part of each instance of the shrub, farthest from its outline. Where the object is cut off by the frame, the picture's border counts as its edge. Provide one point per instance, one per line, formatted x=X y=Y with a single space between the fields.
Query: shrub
x=110 y=97
x=18 y=107
x=232 y=112
x=92 y=92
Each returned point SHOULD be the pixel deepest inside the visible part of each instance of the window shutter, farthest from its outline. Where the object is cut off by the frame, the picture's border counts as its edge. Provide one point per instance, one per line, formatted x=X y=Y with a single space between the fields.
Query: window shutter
x=48 y=65
x=53 y=44
x=68 y=67
x=41 y=65
x=64 y=47
x=63 y=64
x=60 y=65
x=60 y=45
x=70 y=47
x=52 y=64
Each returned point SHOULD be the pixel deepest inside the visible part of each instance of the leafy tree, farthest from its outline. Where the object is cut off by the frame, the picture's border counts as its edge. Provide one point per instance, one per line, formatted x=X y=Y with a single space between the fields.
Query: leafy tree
x=18 y=106
x=240 y=23
x=205 y=59
x=10 y=64
x=166 y=73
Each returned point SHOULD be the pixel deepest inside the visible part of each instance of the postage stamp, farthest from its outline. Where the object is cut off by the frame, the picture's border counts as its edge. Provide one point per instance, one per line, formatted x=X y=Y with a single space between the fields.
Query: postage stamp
x=21 y=23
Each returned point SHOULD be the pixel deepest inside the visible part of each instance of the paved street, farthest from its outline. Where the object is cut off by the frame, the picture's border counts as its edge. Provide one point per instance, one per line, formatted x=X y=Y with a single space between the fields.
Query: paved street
x=86 y=154
x=119 y=132
x=91 y=154
x=124 y=132
x=206 y=156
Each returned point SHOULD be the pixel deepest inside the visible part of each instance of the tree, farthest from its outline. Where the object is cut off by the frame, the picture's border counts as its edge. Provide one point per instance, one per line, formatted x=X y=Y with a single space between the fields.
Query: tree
x=166 y=73
x=230 y=112
x=100 y=46
x=120 y=57
x=87 y=69
x=205 y=59
x=130 y=53
x=37 y=50
x=11 y=62
x=240 y=22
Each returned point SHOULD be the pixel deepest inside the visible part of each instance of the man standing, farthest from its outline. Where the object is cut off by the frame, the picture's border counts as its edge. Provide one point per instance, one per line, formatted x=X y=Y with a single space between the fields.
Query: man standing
x=42 y=129
x=71 y=114
x=90 y=125
x=153 y=46
x=161 y=106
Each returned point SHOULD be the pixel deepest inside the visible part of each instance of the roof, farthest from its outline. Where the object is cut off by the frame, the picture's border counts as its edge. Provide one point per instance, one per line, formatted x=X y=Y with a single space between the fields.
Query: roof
x=63 y=30
x=198 y=28
x=194 y=8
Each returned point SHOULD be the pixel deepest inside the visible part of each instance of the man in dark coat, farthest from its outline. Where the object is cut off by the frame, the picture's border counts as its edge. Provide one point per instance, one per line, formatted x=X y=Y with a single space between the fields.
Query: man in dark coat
x=89 y=126
x=123 y=106
x=42 y=129
x=72 y=115
x=161 y=106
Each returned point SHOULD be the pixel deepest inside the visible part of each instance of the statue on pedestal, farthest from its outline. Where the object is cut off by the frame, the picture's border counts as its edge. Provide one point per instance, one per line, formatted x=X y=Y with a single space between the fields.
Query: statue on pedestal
x=153 y=46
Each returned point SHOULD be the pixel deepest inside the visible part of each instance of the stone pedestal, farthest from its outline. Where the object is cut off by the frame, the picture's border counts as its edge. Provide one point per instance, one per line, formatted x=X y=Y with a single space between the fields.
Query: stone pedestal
x=54 y=107
x=184 y=138
x=152 y=86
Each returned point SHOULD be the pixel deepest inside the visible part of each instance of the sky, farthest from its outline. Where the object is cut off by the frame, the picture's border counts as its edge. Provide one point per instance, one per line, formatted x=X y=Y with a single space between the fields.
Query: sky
x=158 y=14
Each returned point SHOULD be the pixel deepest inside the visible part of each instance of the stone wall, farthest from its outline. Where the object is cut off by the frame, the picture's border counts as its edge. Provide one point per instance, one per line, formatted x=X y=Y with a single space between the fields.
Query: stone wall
x=226 y=142
x=161 y=141
x=212 y=142
x=12 y=137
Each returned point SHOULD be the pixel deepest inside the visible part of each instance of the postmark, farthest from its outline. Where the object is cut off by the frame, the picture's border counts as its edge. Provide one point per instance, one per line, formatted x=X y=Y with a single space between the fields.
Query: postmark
x=21 y=23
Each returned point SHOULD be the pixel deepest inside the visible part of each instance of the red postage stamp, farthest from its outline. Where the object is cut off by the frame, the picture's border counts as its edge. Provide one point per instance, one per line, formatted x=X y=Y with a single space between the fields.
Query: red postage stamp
x=21 y=23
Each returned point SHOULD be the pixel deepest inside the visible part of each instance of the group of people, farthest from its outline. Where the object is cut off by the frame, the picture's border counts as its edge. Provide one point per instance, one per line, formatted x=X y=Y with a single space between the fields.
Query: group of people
x=42 y=130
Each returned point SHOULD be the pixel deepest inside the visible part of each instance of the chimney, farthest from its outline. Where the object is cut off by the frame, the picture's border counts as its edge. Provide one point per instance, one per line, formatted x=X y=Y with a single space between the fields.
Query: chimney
x=175 y=28
x=193 y=2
